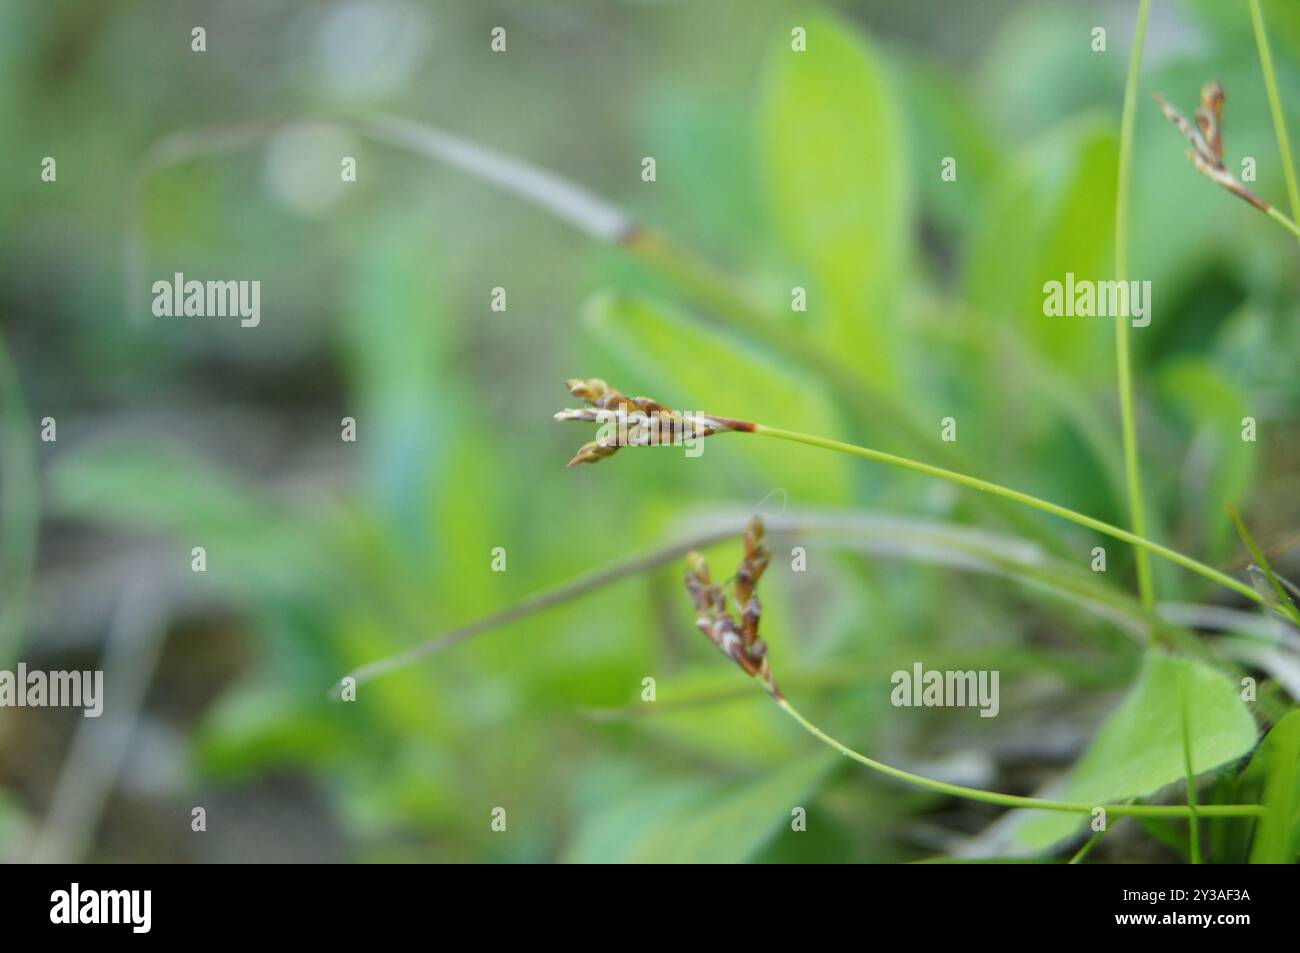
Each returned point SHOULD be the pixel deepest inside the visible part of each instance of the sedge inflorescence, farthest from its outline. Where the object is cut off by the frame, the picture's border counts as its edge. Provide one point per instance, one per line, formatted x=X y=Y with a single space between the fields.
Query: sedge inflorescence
x=635 y=421
x=1206 y=139
x=738 y=640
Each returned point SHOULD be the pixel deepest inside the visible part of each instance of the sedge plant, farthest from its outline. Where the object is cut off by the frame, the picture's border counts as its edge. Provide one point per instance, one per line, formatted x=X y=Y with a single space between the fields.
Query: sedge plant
x=731 y=621
x=643 y=422
x=731 y=617
x=1205 y=137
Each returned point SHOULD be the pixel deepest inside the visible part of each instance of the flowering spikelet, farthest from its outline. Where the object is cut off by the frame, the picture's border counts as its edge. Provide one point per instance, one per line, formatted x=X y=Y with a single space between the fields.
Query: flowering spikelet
x=635 y=421
x=1206 y=138
x=738 y=641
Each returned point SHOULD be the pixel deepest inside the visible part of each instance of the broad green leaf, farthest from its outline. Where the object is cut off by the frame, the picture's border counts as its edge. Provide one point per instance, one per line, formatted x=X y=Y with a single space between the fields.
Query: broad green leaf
x=739 y=730
x=695 y=369
x=837 y=182
x=1220 y=464
x=676 y=821
x=392 y=340
x=259 y=727
x=943 y=122
x=1280 y=754
x=616 y=818
x=1051 y=215
x=1052 y=43
x=734 y=825
x=708 y=143
x=1140 y=747
x=1230 y=26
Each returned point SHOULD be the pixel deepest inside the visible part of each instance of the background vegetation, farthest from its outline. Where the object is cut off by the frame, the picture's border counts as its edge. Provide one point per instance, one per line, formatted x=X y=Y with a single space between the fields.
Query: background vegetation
x=820 y=170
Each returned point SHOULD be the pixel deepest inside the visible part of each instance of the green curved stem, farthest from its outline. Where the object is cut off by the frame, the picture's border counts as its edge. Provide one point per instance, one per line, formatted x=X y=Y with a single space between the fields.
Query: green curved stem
x=715 y=291
x=1137 y=511
x=1084 y=588
x=1282 y=220
x=1087 y=847
x=1279 y=120
x=1024 y=498
x=1015 y=800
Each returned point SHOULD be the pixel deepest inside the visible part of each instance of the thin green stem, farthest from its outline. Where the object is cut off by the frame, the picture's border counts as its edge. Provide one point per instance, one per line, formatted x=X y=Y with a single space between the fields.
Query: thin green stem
x=551 y=596
x=1285 y=604
x=1086 y=849
x=1015 y=800
x=1193 y=822
x=1023 y=498
x=1279 y=118
x=1146 y=588
x=1282 y=220
x=715 y=291
x=907 y=539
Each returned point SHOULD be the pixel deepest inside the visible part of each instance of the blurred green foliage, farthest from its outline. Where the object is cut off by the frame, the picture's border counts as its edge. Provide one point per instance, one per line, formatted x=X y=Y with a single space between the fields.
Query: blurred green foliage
x=819 y=170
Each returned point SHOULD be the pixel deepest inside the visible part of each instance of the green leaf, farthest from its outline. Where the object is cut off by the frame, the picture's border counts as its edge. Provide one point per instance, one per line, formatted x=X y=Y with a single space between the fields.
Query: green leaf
x=1223 y=463
x=262 y=727
x=623 y=807
x=1229 y=25
x=738 y=730
x=943 y=121
x=837 y=180
x=1275 y=836
x=1140 y=747
x=1049 y=42
x=1051 y=213
x=735 y=825
x=681 y=822
x=393 y=372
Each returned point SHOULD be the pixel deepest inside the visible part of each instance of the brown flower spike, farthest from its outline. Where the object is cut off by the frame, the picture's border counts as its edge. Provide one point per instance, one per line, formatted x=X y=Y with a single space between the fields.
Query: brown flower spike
x=1207 y=141
x=635 y=421
x=738 y=641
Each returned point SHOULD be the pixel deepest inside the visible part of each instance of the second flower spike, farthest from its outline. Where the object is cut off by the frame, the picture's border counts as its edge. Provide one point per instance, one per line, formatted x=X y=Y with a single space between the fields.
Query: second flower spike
x=739 y=641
